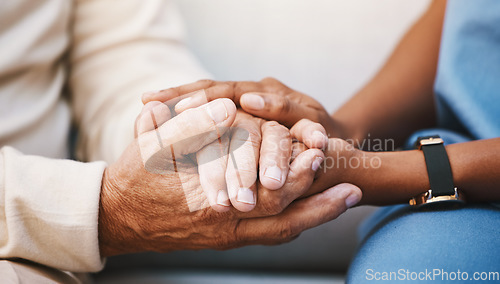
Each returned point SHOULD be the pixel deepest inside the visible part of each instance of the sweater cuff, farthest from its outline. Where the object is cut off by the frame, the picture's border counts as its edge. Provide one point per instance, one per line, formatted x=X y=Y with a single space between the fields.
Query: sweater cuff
x=51 y=210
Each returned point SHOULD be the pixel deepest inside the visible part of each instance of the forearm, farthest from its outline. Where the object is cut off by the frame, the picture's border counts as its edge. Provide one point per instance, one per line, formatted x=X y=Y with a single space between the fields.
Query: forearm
x=395 y=177
x=399 y=99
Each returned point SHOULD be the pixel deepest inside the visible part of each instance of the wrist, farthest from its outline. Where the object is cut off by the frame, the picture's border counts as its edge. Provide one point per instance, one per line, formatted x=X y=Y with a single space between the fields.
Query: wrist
x=339 y=128
x=392 y=177
x=111 y=237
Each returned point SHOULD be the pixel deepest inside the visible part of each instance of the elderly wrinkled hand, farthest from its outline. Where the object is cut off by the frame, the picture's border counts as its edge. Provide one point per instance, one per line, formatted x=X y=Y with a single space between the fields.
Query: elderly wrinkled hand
x=152 y=199
x=229 y=166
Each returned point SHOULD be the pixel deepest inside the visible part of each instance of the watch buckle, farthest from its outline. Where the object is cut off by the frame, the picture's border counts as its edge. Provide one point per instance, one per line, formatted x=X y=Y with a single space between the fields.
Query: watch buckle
x=430 y=141
x=427 y=197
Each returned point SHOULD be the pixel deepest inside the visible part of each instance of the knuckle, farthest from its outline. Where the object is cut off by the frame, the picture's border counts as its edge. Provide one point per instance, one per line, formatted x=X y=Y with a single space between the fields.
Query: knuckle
x=226 y=87
x=282 y=105
x=239 y=88
x=272 y=208
x=247 y=139
x=308 y=124
x=248 y=176
x=277 y=136
x=172 y=90
x=275 y=86
x=271 y=124
x=276 y=127
x=221 y=90
x=270 y=205
x=207 y=82
x=237 y=234
x=269 y=80
x=287 y=240
x=254 y=136
x=286 y=231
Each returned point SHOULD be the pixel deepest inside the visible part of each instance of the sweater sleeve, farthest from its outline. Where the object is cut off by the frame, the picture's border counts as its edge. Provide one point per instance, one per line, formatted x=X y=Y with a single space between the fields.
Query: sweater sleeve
x=49 y=210
x=121 y=50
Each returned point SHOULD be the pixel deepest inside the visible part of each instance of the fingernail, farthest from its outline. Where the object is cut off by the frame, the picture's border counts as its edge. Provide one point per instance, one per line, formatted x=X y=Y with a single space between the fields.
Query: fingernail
x=352 y=200
x=217 y=111
x=344 y=189
x=316 y=163
x=245 y=195
x=318 y=135
x=222 y=199
x=183 y=103
x=253 y=101
x=273 y=173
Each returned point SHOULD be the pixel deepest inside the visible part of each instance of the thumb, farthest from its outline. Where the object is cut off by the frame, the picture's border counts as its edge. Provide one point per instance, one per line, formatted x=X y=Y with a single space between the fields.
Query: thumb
x=350 y=193
x=301 y=215
x=329 y=204
x=189 y=131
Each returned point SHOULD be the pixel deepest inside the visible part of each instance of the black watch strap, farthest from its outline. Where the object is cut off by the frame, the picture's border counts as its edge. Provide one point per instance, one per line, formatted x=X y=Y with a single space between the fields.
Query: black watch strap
x=438 y=165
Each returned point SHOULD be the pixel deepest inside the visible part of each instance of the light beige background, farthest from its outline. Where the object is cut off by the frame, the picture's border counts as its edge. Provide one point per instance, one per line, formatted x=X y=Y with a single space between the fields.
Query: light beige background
x=325 y=48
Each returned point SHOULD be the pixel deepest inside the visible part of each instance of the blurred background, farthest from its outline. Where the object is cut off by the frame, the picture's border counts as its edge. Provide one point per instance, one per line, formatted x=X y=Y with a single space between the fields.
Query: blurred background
x=327 y=49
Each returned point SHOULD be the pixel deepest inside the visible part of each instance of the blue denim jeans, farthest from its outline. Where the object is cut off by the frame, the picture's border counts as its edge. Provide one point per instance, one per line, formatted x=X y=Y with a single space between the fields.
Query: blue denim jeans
x=437 y=243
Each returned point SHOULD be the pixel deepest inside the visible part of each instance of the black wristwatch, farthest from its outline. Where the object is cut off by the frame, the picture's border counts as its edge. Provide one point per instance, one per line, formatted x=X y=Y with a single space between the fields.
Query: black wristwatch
x=439 y=171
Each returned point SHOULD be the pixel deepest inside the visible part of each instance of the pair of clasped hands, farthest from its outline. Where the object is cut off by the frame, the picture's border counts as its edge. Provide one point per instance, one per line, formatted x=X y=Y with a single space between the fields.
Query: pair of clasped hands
x=221 y=165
